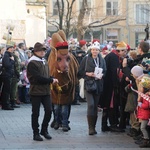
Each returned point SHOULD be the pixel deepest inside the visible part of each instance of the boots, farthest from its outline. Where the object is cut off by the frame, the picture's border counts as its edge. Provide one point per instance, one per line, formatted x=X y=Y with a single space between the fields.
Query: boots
x=45 y=133
x=91 y=124
x=145 y=143
x=104 y=121
x=94 y=125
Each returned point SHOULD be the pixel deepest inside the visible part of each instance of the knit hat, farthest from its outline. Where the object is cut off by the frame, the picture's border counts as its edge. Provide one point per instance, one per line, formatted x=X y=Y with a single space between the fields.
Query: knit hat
x=137 y=71
x=121 y=45
x=59 y=42
x=146 y=82
x=82 y=42
x=96 y=40
x=39 y=47
x=95 y=45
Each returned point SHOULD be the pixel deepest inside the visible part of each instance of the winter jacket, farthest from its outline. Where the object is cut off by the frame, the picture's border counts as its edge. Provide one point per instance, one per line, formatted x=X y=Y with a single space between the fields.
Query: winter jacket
x=38 y=75
x=88 y=65
x=7 y=65
x=144 y=111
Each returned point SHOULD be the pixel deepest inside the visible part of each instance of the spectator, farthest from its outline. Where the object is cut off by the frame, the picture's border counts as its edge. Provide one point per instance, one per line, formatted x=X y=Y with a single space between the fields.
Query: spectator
x=110 y=100
x=86 y=71
x=7 y=75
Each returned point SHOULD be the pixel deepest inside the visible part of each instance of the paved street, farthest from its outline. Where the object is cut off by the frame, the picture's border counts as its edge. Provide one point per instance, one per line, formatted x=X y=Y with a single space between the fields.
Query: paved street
x=16 y=133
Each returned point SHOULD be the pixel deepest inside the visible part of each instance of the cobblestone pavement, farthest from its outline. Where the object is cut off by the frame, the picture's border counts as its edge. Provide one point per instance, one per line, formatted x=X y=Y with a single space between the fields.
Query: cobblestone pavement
x=16 y=133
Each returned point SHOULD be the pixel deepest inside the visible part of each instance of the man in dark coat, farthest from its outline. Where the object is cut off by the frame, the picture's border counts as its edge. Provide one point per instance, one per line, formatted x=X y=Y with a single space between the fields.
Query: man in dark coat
x=7 y=75
x=109 y=101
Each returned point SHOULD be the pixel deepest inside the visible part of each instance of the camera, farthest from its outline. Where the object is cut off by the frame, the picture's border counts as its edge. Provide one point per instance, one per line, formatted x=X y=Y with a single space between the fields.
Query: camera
x=129 y=61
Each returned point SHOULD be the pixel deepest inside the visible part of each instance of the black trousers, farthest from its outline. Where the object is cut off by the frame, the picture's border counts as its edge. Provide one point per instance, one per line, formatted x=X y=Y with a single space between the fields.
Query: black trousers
x=5 y=95
x=36 y=102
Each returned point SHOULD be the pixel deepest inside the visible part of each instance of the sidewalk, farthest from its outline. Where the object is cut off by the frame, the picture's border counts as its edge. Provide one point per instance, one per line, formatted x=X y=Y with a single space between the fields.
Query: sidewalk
x=16 y=133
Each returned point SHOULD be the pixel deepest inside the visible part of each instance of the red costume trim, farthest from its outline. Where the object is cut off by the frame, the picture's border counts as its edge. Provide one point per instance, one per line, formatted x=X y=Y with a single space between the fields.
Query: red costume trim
x=62 y=45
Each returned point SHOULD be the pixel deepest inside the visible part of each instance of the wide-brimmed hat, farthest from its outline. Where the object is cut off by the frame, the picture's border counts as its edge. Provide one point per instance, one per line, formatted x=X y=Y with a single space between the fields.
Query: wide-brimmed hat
x=121 y=45
x=39 y=47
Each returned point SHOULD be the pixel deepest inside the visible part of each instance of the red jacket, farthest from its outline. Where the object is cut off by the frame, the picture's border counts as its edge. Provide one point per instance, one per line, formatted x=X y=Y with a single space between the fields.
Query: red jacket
x=144 y=111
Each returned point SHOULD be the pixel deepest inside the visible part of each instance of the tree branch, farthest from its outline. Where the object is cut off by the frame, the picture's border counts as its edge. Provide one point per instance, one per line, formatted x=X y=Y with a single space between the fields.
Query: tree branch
x=105 y=24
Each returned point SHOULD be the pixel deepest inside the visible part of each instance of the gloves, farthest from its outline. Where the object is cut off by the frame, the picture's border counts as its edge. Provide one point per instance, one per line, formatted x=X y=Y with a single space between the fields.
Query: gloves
x=130 y=85
x=139 y=104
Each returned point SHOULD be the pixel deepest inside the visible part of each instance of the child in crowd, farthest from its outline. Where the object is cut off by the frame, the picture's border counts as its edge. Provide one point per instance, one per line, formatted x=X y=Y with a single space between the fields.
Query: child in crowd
x=143 y=110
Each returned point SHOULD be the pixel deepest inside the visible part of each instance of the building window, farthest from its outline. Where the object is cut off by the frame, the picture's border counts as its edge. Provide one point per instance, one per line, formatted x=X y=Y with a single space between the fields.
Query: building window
x=142 y=13
x=112 y=8
x=112 y=35
x=139 y=36
x=55 y=7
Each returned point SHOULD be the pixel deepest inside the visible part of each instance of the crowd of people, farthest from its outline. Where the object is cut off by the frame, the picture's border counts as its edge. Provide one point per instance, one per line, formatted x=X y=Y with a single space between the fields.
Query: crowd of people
x=121 y=77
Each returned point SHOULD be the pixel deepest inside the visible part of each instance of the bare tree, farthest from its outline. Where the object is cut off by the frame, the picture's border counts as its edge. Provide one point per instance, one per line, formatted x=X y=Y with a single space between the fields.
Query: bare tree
x=68 y=21
x=80 y=26
x=65 y=15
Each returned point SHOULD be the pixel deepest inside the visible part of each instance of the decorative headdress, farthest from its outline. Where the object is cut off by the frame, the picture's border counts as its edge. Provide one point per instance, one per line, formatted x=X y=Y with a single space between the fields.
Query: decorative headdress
x=146 y=82
x=59 y=42
x=95 y=45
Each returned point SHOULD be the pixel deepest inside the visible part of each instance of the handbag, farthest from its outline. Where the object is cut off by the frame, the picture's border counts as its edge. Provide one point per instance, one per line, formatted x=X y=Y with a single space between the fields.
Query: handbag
x=90 y=85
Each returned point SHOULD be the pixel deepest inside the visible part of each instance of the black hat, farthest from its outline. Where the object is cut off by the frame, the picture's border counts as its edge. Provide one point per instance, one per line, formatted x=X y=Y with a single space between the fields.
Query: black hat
x=39 y=47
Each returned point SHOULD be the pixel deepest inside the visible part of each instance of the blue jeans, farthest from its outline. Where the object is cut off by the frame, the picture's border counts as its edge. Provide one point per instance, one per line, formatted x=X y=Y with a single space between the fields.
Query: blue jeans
x=61 y=114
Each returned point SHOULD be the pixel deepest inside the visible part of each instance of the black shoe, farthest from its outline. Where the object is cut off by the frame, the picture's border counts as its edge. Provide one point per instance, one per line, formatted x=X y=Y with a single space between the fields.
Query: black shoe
x=75 y=103
x=27 y=102
x=139 y=137
x=105 y=129
x=138 y=142
x=116 y=129
x=37 y=137
x=69 y=127
x=82 y=100
x=52 y=124
x=65 y=129
x=7 y=108
x=56 y=126
x=46 y=135
x=15 y=106
x=134 y=133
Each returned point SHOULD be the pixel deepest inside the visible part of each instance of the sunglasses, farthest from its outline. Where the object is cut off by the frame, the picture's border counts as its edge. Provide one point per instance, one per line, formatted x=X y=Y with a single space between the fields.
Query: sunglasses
x=120 y=51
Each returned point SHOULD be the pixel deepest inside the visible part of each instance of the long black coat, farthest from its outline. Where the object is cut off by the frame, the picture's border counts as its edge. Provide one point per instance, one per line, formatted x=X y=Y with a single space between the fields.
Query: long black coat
x=111 y=79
